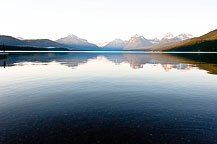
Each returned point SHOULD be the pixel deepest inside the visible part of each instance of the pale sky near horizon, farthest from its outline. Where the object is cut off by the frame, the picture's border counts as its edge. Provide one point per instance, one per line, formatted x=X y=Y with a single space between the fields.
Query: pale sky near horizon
x=102 y=21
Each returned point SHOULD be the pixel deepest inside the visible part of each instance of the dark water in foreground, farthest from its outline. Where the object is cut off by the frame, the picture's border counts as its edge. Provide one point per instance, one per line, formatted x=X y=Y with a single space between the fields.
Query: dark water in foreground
x=111 y=98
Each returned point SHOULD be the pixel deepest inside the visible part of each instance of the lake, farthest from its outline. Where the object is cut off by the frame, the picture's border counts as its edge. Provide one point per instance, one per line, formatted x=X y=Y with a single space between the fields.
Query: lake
x=108 y=97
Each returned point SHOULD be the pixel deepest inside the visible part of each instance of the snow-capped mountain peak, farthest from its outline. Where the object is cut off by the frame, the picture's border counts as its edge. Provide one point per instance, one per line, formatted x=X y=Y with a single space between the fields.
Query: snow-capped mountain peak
x=75 y=42
x=154 y=40
x=138 y=36
x=102 y=44
x=20 y=38
x=185 y=36
x=137 y=42
x=168 y=36
x=72 y=39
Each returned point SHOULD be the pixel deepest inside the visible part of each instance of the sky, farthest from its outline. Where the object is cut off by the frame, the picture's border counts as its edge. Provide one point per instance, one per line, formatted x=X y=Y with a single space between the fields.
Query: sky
x=101 y=21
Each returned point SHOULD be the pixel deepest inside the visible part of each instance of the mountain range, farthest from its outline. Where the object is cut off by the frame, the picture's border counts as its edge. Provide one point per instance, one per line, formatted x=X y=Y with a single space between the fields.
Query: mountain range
x=139 y=42
x=71 y=42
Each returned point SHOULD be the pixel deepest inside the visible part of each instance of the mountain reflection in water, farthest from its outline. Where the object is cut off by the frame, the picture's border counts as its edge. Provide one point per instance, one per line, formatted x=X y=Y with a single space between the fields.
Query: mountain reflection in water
x=179 y=61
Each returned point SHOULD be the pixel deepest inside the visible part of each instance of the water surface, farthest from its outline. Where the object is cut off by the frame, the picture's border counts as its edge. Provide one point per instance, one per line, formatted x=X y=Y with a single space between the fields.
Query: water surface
x=108 y=98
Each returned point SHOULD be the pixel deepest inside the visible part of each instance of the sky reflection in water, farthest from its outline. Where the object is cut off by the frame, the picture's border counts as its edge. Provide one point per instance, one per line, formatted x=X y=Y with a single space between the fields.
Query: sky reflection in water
x=108 y=97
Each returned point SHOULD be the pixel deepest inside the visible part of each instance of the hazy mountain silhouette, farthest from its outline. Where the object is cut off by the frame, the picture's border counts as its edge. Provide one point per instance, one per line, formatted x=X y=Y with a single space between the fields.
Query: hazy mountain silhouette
x=137 y=42
x=8 y=40
x=44 y=43
x=29 y=44
x=77 y=43
x=116 y=44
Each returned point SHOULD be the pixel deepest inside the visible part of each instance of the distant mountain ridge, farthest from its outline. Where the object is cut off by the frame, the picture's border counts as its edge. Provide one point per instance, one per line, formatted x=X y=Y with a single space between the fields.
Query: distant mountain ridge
x=9 y=40
x=154 y=40
x=137 y=42
x=134 y=43
x=46 y=43
x=73 y=42
x=207 y=42
x=185 y=36
x=168 y=38
x=70 y=42
x=116 y=44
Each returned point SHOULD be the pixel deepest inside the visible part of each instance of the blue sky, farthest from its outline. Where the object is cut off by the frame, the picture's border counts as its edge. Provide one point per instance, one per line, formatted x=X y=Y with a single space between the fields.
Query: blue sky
x=102 y=21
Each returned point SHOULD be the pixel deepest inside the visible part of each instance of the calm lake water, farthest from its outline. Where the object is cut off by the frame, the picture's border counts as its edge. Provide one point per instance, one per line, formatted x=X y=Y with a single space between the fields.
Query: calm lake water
x=111 y=98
